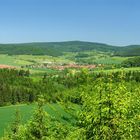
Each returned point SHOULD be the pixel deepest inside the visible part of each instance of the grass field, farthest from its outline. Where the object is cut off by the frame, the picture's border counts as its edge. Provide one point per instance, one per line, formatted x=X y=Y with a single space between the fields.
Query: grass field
x=26 y=111
x=110 y=60
x=21 y=60
x=119 y=69
x=36 y=73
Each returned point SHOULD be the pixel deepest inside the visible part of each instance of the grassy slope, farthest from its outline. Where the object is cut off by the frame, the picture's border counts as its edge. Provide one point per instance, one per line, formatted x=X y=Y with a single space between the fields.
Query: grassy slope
x=110 y=60
x=7 y=114
x=19 y=60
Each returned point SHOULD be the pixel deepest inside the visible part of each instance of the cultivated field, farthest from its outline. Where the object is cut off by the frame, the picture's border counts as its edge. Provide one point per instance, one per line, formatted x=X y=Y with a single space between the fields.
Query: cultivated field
x=54 y=110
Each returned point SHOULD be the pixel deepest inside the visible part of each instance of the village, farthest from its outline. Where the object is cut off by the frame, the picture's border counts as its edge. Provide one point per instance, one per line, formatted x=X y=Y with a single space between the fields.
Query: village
x=6 y=67
x=60 y=66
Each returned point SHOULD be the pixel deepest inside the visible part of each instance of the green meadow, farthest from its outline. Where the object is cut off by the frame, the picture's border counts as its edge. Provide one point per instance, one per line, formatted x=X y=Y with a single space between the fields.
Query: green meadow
x=26 y=111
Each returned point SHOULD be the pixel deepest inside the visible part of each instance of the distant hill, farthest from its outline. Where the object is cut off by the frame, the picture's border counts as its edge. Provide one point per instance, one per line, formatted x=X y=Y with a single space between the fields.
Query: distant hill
x=132 y=50
x=58 y=48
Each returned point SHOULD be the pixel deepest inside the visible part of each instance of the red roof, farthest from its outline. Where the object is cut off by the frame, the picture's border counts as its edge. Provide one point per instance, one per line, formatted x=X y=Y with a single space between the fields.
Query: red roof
x=6 y=67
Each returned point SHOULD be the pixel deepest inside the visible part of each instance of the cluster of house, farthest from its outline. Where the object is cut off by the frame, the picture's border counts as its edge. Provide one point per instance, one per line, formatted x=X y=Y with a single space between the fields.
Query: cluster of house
x=76 y=66
x=6 y=67
x=61 y=66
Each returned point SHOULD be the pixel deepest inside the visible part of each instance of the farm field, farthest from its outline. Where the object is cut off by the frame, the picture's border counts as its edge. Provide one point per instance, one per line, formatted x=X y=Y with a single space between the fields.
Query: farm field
x=36 y=73
x=110 y=60
x=67 y=58
x=21 y=60
x=118 y=70
x=26 y=111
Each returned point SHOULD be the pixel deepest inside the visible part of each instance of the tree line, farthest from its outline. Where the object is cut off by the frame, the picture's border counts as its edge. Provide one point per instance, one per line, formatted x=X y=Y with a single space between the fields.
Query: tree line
x=16 y=86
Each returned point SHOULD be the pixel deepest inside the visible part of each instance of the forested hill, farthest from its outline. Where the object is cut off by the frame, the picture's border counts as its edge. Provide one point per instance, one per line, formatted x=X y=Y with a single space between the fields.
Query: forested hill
x=132 y=50
x=58 y=48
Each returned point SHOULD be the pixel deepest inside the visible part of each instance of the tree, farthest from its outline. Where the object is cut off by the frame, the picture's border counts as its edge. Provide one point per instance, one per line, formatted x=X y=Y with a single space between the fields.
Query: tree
x=15 y=128
x=131 y=62
x=37 y=127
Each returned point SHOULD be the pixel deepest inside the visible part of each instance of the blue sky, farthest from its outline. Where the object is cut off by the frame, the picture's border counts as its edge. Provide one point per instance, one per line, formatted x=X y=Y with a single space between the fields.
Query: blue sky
x=114 y=22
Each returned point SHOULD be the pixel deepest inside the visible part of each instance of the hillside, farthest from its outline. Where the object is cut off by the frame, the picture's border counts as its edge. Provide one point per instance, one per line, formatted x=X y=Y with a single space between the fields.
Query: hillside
x=58 y=48
x=132 y=50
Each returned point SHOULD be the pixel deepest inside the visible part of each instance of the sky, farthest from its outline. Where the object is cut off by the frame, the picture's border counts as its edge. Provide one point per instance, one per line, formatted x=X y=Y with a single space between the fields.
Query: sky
x=115 y=22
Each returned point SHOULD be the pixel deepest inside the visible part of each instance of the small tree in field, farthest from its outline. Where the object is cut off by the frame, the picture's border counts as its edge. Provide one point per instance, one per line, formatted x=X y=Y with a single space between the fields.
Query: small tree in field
x=37 y=127
x=14 y=129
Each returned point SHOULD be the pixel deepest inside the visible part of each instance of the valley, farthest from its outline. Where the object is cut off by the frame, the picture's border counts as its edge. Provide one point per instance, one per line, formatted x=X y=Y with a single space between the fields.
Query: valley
x=67 y=89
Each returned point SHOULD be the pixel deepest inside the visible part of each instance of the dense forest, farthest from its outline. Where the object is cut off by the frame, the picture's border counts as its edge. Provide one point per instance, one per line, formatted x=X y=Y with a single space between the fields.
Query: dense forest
x=109 y=104
x=17 y=86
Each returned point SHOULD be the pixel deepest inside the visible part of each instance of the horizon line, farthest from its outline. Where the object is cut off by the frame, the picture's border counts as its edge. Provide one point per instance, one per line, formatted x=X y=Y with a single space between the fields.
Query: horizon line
x=31 y=42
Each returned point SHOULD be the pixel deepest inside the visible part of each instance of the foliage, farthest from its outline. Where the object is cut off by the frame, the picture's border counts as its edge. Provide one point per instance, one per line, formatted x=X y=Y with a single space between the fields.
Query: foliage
x=109 y=107
x=15 y=127
x=131 y=62
x=37 y=127
x=132 y=50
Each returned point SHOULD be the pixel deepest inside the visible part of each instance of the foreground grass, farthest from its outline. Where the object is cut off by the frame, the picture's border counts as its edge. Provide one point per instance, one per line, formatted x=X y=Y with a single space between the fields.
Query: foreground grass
x=54 y=110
